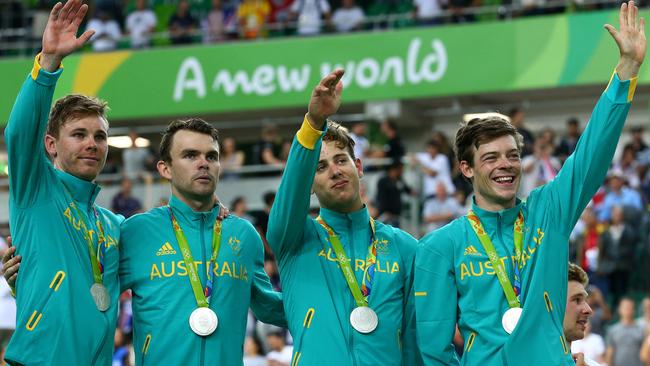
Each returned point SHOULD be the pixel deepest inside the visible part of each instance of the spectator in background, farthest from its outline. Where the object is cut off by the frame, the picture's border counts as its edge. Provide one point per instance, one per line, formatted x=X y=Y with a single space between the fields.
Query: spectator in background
x=517 y=119
x=124 y=203
x=616 y=249
x=394 y=148
x=427 y=12
x=349 y=17
x=7 y=307
x=280 y=354
x=637 y=142
x=262 y=217
x=624 y=338
x=182 y=24
x=619 y=195
x=252 y=16
x=135 y=159
x=458 y=9
x=629 y=166
x=254 y=353
x=602 y=313
x=645 y=350
x=570 y=140
x=231 y=158
x=358 y=133
x=389 y=194
x=271 y=269
x=239 y=208
x=435 y=166
x=586 y=246
x=310 y=15
x=107 y=31
x=644 y=320
x=264 y=150
x=214 y=24
x=141 y=24
x=441 y=209
x=121 y=353
x=539 y=168
x=280 y=13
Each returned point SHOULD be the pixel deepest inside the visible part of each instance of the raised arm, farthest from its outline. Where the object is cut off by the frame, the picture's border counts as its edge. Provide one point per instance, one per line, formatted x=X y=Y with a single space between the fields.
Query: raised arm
x=291 y=206
x=28 y=120
x=585 y=169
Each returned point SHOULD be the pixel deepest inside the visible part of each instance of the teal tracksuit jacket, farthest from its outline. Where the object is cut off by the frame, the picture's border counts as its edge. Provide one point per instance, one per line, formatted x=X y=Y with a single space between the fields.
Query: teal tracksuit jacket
x=455 y=281
x=57 y=320
x=152 y=266
x=317 y=299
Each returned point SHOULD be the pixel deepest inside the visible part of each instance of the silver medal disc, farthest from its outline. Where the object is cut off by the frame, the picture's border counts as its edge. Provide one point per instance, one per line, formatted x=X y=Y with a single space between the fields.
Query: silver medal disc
x=364 y=319
x=100 y=296
x=510 y=319
x=203 y=321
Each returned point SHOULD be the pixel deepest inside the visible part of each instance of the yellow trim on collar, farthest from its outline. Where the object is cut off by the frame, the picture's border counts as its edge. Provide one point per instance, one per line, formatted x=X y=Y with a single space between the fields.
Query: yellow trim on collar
x=307 y=135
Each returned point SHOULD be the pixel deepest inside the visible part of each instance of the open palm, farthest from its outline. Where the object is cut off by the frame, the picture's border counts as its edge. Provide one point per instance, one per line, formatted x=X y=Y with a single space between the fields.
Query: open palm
x=60 y=36
x=630 y=38
x=326 y=97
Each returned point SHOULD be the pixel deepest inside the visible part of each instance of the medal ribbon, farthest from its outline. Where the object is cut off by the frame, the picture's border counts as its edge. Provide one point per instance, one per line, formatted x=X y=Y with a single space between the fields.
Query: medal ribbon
x=512 y=292
x=202 y=295
x=360 y=294
x=96 y=252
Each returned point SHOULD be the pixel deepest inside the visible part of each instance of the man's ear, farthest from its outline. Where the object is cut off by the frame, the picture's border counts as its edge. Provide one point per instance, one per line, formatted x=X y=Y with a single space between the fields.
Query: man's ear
x=359 y=166
x=465 y=169
x=163 y=169
x=50 y=145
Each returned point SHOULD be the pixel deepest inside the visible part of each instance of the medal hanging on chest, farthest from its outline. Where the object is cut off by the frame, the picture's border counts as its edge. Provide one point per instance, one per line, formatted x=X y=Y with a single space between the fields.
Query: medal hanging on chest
x=96 y=252
x=203 y=321
x=362 y=318
x=510 y=317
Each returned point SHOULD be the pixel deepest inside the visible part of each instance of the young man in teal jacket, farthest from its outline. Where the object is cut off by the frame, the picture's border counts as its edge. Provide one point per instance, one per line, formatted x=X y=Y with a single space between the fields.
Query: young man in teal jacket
x=226 y=260
x=346 y=279
x=68 y=290
x=500 y=273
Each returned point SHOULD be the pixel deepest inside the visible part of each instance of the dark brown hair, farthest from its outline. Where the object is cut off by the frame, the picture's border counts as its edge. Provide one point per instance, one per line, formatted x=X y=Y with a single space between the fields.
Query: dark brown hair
x=341 y=137
x=578 y=274
x=479 y=131
x=74 y=106
x=190 y=124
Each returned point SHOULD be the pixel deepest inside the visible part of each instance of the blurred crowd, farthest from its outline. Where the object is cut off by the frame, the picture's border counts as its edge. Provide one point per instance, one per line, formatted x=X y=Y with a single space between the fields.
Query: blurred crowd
x=143 y=23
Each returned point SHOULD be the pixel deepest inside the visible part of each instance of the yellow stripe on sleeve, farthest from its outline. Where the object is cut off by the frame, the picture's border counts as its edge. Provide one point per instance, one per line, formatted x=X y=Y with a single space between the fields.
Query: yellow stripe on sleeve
x=307 y=135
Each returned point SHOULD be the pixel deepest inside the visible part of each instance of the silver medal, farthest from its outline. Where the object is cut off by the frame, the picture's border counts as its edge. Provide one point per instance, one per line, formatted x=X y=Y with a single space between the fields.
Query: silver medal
x=364 y=319
x=100 y=296
x=203 y=321
x=510 y=319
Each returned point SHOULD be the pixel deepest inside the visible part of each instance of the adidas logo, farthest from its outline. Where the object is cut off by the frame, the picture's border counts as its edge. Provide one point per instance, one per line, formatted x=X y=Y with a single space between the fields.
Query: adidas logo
x=166 y=249
x=470 y=250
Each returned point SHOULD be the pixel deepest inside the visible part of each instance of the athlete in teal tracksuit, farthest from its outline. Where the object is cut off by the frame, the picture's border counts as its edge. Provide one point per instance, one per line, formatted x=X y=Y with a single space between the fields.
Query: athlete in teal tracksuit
x=57 y=321
x=317 y=299
x=455 y=282
x=152 y=266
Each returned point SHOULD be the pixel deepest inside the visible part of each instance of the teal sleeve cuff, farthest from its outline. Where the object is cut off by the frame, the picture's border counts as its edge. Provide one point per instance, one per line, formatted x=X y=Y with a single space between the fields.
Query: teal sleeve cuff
x=620 y=91
x=44 y=77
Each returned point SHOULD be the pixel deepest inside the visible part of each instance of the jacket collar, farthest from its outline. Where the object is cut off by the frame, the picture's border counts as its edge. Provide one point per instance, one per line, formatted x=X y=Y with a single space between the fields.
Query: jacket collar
x=341 y=223
x=185 y=214
x=503 y=217
x=83 y=192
